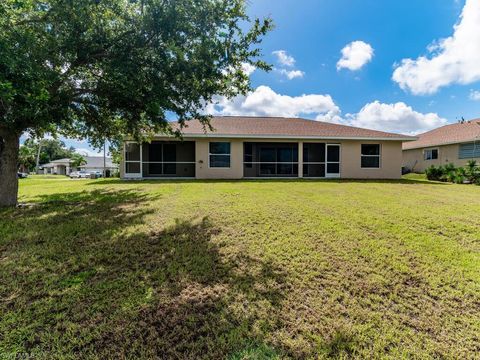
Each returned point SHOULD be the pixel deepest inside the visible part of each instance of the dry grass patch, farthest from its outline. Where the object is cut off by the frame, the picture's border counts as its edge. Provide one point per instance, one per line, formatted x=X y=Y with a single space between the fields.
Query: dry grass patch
x=241 y=270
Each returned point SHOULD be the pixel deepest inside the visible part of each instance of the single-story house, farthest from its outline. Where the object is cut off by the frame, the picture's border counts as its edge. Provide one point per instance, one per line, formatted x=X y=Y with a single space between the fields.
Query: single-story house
x=64 y=166
x=267 y=147
x=455 y=143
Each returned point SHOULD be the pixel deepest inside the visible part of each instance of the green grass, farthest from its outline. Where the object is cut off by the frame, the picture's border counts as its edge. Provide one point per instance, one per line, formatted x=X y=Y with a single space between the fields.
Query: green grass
x=240 y=269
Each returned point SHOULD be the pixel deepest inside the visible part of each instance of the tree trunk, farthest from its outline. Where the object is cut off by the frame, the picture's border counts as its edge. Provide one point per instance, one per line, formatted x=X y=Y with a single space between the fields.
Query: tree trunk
x=9 y=146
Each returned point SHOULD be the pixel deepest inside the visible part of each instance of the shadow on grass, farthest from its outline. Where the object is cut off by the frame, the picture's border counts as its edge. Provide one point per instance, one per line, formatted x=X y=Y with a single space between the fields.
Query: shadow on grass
x=191 y=307
x=85 y=274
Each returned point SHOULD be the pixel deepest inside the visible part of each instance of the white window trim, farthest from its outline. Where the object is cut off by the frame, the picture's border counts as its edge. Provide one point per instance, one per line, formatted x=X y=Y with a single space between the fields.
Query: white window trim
x=229 y=155
x=379 y=157
x=431 y=152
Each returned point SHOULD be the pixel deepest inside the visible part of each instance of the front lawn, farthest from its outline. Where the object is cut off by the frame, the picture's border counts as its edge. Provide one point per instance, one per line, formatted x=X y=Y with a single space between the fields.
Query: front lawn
x=240 y=269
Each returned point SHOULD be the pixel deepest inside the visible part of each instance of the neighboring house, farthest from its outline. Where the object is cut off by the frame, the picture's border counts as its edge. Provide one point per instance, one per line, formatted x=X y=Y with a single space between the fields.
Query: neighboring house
x=264 y=147
x=454 y=143
x=57 y=167
x=64 y=166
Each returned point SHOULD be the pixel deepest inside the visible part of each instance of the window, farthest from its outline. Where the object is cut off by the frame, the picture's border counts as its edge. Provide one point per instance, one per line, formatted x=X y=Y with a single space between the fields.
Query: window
x=370 y=156
x=430 y=154
x=469 y=150
x=219 y=155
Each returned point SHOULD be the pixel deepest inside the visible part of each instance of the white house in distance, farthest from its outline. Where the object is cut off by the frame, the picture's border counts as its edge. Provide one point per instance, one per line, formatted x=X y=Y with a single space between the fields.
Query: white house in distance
x=94 y=163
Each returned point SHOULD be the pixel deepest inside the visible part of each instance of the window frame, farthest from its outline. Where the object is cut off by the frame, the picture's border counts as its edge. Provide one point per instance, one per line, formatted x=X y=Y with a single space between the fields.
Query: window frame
x=379 y=156
x=126 y=162
x=431 y=150
x=469 y=153
x=210 y=154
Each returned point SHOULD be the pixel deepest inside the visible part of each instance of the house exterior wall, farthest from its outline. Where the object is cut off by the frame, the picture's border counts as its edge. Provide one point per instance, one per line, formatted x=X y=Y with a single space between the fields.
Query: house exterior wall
x=350 y=158
x=414 y=158
x=390 y=160
x=203 y=169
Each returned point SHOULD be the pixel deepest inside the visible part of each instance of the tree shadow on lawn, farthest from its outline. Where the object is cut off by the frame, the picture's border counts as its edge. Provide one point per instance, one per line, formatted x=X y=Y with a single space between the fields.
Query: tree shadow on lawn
x=84 y=275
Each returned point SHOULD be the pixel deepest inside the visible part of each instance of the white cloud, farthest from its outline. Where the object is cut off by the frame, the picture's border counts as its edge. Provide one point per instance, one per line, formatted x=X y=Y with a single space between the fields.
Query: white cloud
x=266 y=102
x=248 y=69
x=291 y=74
x=398 y=117
x=286 y=60
x=355 y=55
x=454 y=60
x=283 y=58
x=474 y=95
x=88 y=152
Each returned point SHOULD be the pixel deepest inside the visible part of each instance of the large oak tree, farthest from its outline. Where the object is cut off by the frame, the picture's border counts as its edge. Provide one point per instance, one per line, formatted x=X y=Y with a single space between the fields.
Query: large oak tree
x=100 y=68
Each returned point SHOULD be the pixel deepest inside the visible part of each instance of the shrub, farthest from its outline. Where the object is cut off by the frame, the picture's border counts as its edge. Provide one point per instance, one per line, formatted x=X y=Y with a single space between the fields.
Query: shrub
x=472 y=172
x=448 y=173
x=434 y=173
x=451 y=174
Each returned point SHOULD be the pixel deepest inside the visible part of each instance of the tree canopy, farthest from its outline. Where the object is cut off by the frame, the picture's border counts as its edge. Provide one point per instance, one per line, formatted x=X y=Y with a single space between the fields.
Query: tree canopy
x=50 y=149
x=94 y=67
x=78 y=160
x=99 y=68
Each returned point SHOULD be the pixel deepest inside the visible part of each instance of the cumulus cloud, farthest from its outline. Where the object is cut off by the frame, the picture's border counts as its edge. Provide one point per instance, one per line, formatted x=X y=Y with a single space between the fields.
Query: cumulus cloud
x=291 y=74
x=398 y=117
x=266 y=102
x=454 y=60
x=248 y=69
x=474 y=95
x=283 y=58
x=355 y=55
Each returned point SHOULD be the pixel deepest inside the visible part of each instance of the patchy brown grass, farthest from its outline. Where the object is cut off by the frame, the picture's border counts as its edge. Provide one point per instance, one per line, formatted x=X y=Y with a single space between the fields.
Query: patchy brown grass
x=241 y=270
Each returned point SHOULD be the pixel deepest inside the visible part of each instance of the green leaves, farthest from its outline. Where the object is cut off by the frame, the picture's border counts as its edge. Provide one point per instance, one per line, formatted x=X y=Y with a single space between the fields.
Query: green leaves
x=111 y=67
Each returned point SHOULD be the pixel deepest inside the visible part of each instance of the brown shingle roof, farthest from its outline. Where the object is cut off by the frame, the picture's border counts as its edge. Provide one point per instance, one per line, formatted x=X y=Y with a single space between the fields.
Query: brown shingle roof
x=244 y=126
x=448 y=134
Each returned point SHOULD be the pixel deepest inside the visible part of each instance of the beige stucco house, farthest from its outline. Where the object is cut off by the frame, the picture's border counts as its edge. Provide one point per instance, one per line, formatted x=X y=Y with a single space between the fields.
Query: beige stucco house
x=454 y=143
x=92 y=164
x=267 y=147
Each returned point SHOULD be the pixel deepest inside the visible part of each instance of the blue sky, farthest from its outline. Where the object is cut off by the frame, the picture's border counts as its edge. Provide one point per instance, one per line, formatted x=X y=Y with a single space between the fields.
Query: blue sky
x=377 y=86
x=315 y=31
